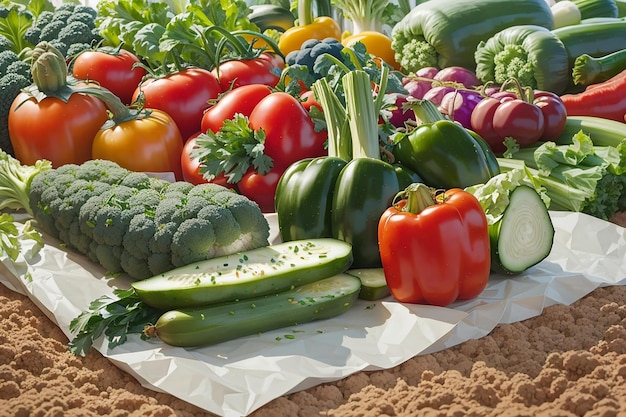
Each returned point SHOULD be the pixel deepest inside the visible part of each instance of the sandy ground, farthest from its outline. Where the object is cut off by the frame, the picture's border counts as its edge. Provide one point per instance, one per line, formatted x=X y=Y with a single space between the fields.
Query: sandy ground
x=570 y=361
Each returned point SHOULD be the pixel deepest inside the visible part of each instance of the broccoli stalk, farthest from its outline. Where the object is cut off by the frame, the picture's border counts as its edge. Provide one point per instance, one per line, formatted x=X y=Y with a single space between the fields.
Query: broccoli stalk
x=590 y=70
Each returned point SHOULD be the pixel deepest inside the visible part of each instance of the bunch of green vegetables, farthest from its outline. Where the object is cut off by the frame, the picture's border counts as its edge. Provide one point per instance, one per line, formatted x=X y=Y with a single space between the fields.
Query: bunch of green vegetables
x=578 y=176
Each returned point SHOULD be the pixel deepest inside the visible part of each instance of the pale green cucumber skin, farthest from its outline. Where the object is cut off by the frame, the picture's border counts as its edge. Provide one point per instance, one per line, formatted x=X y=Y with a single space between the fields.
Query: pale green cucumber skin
x=202 y=326
x=373 y=283
x=182 y=287
x=497 y=264
x=602 y=132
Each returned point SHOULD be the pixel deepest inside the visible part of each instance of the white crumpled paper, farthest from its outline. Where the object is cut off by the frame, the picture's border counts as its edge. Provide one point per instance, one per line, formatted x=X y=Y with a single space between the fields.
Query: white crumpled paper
x=237 y=377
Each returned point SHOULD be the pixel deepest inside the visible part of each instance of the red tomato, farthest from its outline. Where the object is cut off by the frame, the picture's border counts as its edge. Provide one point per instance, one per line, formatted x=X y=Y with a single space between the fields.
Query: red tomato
x=240 y=100
x=184 y=95
x=112 y=70
x=145 y=144
x=238 y=72
x=191 y=167
x=289 y=130
x=519 y=119
x=309 y=100
x=55 y=130
x=261 y=188
x=272 y=61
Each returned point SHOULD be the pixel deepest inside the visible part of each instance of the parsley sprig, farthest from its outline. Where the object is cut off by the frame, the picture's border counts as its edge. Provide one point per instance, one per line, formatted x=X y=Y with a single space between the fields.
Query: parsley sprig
x=115 y=317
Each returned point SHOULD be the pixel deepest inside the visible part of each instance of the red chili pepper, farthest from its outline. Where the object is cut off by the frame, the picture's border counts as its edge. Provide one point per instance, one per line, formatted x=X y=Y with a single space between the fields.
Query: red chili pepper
x=435 y=250
x=606 y=99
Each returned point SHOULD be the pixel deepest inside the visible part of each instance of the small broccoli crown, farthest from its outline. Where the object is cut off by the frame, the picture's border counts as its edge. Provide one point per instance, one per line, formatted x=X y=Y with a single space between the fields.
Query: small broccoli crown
x=225 y=226
x=159 y=263
x=76 y=48
x=43 y=19
x=110 y=257
x=512 y=62
x=83 y=17
x=141 y=229
x=51 y=31
x=136 y=268
x=21 y=68
x=101 y=170
x=32 y=35
x=63 y=12
x=181 y=187
x=110 y=221
x=193 y=241
x=139 y=180
x=6 y=59
x=10 y=86
x=75 y=32
x=311 y=49
x=5 y=44
x=78 y=240
x=81 y=9
x=415 y=53
x=162 y=240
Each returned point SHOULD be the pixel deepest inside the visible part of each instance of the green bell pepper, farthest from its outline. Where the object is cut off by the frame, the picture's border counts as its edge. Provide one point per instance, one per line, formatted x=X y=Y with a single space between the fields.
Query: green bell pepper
x=444 y=153
x=304 y=198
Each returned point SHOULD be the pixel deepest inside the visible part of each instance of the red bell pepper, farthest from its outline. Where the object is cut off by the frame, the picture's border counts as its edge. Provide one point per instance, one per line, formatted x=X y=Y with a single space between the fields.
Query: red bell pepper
x=434 y=249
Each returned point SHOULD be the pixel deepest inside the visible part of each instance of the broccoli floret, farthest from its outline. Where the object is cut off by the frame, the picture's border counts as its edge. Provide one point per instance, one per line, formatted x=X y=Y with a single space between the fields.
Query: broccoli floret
x=85 y=18
x=110 y=257
x=61 y=14
x=21 y=68
x=80 y=9
x=162 y=241
x=136 y=268
x=60 y=46
x=51 y=31
x=5 y=44
x=415 y=53
x=43 y=19
x=193 y=241
x=75 y=32
x=7 y=58
x=101 y=170
x=10 y=86
x=225 y=227
x=311 y=50
x=32 y=35
x=139 y=180
x=512 y=62
x=76 y=48
x=159 y=263
x=141 y=230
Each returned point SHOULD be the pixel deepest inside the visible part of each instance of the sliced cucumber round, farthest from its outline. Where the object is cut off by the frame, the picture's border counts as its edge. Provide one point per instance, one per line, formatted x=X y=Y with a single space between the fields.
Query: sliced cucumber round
x=246 y=274
x=524 y=235
x=318 y=300
x=373 y=283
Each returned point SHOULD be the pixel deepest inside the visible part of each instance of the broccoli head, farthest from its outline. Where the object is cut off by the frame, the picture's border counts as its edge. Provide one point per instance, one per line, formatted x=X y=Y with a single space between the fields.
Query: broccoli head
x=7 y=58
x=10 y=86
x=311 y=50
x=51 y=31
x=193 y=241
x=75 y=32
x=136 y=268
x=43 y=19
x=5 y=44
x=141 y=229
x=513 y=62
x=76 y=48
x=21 y=68
x=83 y=17
x=414 y=53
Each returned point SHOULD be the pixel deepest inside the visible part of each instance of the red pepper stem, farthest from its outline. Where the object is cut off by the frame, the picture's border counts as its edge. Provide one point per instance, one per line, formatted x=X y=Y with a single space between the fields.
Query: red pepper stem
x=418 y=197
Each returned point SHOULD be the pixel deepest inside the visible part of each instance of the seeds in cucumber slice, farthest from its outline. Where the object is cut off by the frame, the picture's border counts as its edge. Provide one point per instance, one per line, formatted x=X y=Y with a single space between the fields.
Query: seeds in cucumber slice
x=524 y=235
x=246 y=274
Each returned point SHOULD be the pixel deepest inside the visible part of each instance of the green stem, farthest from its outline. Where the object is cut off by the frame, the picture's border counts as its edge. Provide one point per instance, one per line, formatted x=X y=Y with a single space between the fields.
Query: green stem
x=324 y=8
x=339 y=141
x=426 y=111
x=362 y=116
x=418 y=197
x=305 y=12
x=589 y=70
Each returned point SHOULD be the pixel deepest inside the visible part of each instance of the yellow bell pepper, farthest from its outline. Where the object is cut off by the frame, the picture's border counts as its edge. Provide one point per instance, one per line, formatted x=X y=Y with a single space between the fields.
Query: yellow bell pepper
x=308 y=27
x=376 y=43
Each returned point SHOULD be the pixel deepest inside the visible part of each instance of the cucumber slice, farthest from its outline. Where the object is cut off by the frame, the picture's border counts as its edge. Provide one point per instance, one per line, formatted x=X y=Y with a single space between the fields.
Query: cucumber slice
x=524 y=235
x=318 y=300
x=256 y=272
x=373 y=283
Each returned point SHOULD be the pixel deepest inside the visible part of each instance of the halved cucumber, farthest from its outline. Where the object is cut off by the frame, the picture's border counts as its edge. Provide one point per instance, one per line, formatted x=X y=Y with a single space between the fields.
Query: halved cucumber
x=373 y=283
x=318 y=300
x=256 y=272
x=524 y=235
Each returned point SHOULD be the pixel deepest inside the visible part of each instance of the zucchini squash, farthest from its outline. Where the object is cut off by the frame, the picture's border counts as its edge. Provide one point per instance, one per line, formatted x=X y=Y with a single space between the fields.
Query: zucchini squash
x=323 y=299
x=594 y=39
x=271 y=16
x=445 y=33
x=246 y=274
x=596 y=8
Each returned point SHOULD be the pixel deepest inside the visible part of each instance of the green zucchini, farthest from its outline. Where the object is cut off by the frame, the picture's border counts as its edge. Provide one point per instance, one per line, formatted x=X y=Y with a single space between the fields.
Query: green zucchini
x=596 y=8
x=271 y=16
x=246 y=274
x=523 y=236
x=318 y=300
x=373 y=283
x=603 y=132
x=595 y=39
